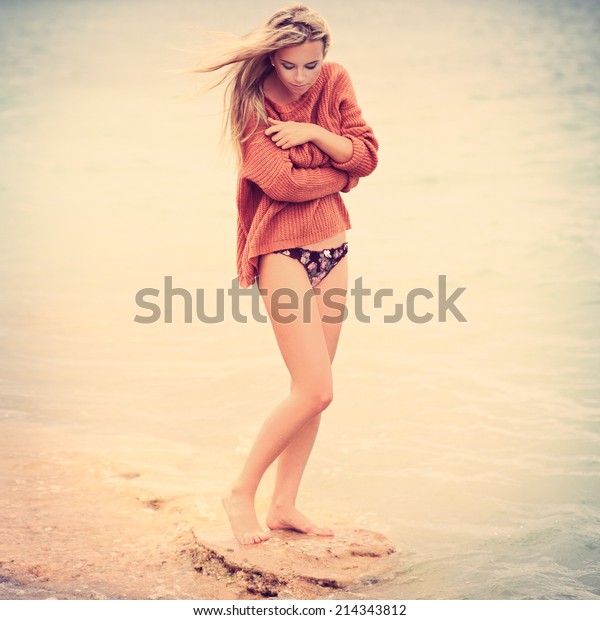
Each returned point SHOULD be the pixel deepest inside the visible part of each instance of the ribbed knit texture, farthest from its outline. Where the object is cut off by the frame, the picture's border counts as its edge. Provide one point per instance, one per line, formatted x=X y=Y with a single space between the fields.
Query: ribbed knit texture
x=290 y=197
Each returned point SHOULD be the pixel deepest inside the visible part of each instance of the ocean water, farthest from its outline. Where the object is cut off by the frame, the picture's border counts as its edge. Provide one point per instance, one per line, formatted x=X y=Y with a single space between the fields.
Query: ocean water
x=474 y=446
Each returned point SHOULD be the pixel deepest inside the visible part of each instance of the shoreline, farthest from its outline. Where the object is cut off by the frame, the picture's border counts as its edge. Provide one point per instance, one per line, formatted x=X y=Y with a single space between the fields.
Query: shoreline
x=82 y=526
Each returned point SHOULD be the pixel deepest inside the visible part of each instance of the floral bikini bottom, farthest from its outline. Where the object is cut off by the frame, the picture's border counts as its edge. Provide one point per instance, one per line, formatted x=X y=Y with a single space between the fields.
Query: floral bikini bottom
x=317 y=263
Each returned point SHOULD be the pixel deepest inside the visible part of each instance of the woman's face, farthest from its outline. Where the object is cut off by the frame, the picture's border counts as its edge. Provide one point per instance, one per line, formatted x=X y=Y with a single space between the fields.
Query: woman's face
x=299 y=66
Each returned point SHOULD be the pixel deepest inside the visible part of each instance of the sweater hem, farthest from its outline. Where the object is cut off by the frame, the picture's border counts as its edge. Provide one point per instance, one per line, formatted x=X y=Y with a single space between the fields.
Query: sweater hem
x=284 y=244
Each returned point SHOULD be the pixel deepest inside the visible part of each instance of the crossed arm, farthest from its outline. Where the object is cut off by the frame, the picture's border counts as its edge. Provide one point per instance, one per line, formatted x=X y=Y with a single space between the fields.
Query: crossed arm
x=286 y=134
x=353 y=154
x=271 y=168
x=353 y=151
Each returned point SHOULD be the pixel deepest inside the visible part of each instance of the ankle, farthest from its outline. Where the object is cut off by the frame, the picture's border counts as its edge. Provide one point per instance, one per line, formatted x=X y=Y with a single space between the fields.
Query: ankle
x=282 y=503
x=240 y=491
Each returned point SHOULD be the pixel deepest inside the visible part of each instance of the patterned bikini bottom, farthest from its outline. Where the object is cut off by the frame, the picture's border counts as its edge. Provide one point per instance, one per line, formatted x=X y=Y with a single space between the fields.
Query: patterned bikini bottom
x=317 y=263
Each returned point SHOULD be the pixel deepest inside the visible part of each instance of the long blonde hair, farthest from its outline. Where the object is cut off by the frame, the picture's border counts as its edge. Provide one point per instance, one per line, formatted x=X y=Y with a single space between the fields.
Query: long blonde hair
x=247 y=59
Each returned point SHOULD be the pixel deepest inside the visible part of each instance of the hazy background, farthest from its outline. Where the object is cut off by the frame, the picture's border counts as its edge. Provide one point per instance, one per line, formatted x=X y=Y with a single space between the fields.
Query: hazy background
x=473 y=446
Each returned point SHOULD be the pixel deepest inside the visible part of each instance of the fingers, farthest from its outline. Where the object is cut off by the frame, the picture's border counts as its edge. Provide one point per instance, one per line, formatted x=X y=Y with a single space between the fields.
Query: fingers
x=271 y=130
x=280 y=140
x=273 y=134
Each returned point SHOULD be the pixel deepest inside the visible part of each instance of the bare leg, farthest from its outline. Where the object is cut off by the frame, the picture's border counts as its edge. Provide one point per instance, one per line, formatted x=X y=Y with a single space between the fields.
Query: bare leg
x=305 y=351
x=292 y=461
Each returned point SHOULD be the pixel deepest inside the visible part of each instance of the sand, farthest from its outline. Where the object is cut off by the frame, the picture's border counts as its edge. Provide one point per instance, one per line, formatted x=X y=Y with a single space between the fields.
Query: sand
x=81 y=524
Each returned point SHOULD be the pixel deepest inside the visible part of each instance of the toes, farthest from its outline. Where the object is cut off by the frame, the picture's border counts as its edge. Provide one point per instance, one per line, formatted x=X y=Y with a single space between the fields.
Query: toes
x=325 y=531
x=253 y=539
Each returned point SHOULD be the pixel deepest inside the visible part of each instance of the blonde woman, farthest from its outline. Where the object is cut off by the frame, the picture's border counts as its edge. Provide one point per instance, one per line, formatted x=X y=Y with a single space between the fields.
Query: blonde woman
x=300 y=140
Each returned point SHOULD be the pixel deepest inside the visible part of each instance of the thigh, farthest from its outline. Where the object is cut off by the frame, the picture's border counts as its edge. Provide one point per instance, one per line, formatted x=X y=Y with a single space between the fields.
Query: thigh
x=282 y=281
x=332 y=303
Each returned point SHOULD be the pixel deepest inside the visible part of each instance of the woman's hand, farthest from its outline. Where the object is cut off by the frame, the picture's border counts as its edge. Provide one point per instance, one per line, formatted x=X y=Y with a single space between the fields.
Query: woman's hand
x=286 y=134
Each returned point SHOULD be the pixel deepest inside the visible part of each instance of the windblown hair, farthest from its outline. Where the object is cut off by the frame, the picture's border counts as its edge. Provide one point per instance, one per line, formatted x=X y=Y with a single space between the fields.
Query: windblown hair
x=247 y=60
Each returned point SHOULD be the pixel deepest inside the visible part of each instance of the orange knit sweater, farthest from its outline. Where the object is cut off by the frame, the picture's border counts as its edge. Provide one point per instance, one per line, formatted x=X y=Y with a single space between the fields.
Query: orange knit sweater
x=290 y=197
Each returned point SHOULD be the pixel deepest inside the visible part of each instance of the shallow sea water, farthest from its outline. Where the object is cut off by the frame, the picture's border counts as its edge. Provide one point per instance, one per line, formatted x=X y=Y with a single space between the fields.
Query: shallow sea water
x=474 y=446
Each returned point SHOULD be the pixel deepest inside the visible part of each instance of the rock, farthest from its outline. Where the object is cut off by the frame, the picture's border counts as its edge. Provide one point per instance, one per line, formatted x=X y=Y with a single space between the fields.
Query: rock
x=292 y=564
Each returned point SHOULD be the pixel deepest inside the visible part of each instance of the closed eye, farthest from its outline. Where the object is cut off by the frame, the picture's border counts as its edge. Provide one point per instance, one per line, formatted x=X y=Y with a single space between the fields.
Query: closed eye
x=307 y=66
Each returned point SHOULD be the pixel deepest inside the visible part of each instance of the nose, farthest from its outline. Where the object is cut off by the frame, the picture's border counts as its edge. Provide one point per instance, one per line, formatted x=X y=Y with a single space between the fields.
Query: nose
x=299 y=77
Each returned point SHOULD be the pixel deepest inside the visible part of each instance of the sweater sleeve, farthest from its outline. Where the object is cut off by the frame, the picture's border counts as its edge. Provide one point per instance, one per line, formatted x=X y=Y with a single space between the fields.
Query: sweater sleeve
x=353 y=126
x=271 y=168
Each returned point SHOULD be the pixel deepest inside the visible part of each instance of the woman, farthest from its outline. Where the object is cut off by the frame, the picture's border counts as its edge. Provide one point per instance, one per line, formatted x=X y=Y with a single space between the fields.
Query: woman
x=300 y=140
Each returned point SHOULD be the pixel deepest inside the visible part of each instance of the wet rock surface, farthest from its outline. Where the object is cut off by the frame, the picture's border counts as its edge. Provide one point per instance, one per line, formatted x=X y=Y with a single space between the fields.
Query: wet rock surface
x=80 y=525
x=292 y=564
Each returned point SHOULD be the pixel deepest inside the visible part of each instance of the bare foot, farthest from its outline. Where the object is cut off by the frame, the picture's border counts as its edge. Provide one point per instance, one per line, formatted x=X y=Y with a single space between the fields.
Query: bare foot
x=290 y=518
x=242 y=517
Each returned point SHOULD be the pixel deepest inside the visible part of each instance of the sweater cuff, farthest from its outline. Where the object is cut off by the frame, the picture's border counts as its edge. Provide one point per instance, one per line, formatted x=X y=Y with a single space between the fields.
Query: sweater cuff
x=352 y=183
x=356 y=163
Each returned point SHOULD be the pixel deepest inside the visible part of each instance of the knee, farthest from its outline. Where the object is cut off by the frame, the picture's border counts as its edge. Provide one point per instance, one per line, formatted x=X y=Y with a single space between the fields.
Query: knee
x=317 y=399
